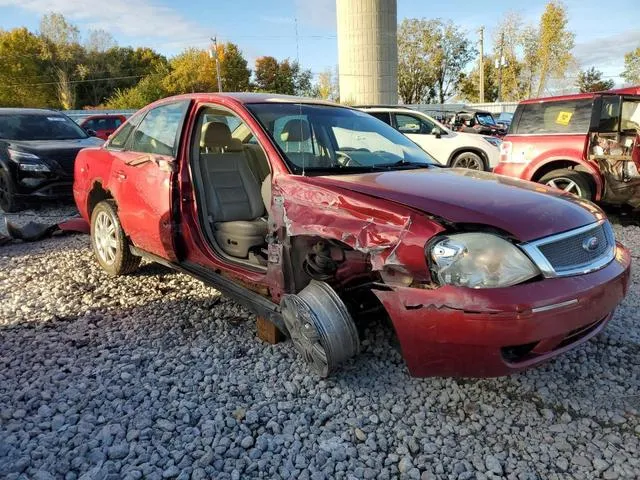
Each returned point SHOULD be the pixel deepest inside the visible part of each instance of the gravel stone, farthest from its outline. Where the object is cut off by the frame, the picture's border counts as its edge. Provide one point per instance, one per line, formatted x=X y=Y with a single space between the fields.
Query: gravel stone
x=155 y=375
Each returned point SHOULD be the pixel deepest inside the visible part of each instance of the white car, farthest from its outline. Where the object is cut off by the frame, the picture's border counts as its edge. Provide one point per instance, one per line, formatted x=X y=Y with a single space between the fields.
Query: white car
x=453 y=149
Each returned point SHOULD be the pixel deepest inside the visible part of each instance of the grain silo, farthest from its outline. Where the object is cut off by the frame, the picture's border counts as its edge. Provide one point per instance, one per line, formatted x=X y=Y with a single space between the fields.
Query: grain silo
x=368 y=51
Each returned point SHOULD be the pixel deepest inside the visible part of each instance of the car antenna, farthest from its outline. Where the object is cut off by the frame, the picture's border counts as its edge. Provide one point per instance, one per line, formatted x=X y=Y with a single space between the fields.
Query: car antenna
x=295 y=24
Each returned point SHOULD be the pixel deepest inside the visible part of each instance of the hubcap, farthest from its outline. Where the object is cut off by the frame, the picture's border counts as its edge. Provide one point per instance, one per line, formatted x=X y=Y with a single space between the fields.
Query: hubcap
x=468 y=161
x=566 y=185
x=105 y=239
x=305 y=336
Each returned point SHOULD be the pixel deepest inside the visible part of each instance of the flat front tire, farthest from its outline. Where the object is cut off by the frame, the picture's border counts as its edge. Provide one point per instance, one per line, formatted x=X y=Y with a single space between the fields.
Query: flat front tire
x=571 y=181
x=109 y=242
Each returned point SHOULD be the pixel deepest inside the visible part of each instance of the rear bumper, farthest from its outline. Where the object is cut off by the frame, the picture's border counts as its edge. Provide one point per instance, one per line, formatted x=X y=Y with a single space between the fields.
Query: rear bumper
x=512 y=169
x=453 y=331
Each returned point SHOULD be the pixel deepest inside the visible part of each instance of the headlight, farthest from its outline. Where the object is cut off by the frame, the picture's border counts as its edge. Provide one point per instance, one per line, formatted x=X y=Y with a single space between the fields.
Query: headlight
x=27 y=162
x=479 y=260
x=493 y=141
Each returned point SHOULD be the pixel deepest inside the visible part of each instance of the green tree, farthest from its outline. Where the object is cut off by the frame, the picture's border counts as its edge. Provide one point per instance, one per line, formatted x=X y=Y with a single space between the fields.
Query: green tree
x=530 y=40
x=285 y=77
x=452 y=53
x=234 y=74
x=63 y=50
x=469 y=86
x=99 y=41
x=24 y=72
x=415 y=76
x=148 y=90
x=192 y=71
x=591 y=81
x=631 y=72
x=507 y=40
x=555 y=43
x=432 y=55
x=326 y=86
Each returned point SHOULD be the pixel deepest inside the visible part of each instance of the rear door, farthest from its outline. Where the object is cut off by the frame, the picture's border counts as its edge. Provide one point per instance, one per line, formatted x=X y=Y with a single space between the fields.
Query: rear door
x=143 y=175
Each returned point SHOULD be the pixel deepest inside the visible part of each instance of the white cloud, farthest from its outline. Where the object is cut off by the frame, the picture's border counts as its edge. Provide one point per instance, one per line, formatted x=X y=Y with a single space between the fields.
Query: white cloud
x=139 y=18
x=607 y=53
x=317 y=13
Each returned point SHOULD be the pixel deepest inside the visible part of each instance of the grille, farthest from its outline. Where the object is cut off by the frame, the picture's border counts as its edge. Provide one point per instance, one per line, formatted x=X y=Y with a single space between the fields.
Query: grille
x=569 y=253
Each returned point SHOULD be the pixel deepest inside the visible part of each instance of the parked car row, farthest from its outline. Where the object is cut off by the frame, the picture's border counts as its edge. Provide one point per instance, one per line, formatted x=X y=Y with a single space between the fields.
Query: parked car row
x=317 y=216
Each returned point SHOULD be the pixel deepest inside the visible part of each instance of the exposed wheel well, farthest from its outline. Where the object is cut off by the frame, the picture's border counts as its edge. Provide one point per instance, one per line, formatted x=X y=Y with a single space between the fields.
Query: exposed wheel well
x=558 y=165
x=477 y=151
x=97 y=195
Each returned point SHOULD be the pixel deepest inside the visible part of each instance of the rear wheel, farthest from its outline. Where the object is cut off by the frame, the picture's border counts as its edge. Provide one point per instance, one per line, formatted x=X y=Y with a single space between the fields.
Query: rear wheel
x=109 y=242
x=8 y=201
x=469 y=160
x=571 y=181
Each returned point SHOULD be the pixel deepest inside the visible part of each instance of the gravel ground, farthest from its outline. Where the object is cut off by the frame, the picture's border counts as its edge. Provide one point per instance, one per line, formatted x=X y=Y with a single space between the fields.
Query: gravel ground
x=157 y=376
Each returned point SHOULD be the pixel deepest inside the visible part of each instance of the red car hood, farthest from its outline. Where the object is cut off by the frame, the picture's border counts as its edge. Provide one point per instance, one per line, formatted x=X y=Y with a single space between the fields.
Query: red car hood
x=526 y=210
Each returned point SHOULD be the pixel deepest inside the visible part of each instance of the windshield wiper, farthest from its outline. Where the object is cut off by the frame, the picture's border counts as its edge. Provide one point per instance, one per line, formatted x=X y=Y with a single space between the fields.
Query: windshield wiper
x=405 y=163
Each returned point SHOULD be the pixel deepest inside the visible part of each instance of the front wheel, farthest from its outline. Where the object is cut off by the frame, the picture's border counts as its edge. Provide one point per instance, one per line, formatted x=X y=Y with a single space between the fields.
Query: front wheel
x=570 y=181
x=109 y=242
x=469 y=160
x=8 y=202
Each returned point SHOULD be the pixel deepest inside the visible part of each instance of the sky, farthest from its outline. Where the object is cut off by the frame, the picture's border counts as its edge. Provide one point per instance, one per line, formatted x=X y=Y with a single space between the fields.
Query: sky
x=306 y=29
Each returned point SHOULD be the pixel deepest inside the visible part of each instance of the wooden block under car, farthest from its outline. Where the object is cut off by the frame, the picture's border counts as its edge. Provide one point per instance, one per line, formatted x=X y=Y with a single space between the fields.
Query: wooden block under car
x=267 y=331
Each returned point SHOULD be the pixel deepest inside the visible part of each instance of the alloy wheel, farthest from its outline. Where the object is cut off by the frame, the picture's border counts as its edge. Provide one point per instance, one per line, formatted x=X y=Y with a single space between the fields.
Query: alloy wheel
x=566 y=185
x=105 y=238
x=472 y=162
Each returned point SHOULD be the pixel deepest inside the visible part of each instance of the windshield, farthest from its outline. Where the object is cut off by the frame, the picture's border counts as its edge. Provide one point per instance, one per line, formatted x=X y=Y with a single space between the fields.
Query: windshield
x=486 y=119
x=29 y=126
x=325 y=138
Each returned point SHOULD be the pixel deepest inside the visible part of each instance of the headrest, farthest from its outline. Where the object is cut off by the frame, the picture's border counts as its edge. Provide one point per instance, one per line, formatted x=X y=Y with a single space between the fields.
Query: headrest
x=295 y=130
x=216 y=135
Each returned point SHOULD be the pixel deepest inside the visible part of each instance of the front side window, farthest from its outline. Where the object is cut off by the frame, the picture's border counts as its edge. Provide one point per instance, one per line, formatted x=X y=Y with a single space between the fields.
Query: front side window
x=412 y=124
x=330 y=139
x=119 y=139
x=158 y=132
x=384 y=116
x=39 y=126
x=571 y=117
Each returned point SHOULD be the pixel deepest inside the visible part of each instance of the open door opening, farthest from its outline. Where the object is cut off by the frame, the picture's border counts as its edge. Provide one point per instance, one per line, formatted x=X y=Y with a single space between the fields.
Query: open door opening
x=233 y=183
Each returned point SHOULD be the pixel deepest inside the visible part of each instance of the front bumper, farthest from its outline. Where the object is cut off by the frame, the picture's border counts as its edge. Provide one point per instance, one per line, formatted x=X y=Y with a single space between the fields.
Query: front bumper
x=453 y=331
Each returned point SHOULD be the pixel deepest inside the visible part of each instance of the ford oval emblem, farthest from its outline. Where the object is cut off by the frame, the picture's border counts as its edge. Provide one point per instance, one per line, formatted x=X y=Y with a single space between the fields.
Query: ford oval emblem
x=590 y=244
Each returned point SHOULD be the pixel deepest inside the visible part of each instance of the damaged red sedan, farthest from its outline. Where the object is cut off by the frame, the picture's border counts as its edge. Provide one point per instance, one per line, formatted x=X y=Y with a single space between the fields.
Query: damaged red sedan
x=317 y=216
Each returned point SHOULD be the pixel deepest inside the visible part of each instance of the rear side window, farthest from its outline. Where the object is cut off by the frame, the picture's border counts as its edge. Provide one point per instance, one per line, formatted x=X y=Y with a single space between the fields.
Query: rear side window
x=158 y=132
x=555 y=117
x=119 y=140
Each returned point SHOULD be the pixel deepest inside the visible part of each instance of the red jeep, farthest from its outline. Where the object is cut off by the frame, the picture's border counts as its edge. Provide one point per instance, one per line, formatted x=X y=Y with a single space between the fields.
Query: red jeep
x=586 y=144
x=317 y=216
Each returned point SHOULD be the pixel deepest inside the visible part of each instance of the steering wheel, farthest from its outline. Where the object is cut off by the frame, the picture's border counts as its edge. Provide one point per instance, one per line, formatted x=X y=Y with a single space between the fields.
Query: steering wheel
x=344 y=159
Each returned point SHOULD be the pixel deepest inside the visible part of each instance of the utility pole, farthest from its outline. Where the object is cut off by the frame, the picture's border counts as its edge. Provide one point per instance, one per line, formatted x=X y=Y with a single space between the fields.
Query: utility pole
x=481 y=65
x=500 y=67
x=214 y=54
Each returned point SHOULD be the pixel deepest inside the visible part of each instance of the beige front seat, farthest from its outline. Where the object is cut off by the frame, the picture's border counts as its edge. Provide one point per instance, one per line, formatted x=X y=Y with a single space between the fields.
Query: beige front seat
x=233 y=196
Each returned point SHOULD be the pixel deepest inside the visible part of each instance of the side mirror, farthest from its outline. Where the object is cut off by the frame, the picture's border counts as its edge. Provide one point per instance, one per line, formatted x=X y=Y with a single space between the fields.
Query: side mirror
x=91 y=133
x=436 y=132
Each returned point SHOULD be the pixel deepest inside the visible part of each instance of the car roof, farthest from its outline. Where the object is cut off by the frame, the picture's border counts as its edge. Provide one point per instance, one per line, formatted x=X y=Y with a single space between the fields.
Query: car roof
x=250 y=97
x=29 y=111
x=580 y=96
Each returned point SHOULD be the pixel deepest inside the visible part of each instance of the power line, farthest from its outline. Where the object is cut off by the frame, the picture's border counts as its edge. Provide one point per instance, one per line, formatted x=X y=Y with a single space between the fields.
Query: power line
x=91 y=80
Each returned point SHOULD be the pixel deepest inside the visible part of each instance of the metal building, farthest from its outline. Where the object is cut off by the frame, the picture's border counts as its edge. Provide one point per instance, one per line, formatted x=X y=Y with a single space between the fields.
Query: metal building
x=368 y=51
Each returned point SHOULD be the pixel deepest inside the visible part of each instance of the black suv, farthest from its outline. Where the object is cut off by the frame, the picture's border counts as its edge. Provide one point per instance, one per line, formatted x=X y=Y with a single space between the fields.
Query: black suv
x=37 y=152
